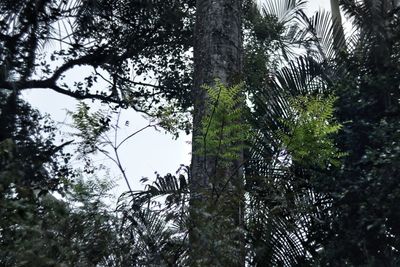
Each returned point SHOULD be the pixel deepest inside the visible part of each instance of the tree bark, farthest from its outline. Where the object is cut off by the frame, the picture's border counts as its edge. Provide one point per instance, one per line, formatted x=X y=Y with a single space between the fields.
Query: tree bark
x=217 y=55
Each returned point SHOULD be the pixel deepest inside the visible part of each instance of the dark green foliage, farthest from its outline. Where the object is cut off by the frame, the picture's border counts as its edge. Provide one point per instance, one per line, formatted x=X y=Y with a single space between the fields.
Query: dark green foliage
x=30 y=167
x=367 y=189
x=137 y=48
x=342 y=216
x=50 y=231
x=156 y=221
x=282 y=202
x=36 y=228
x=29 y=156
x=306 y=204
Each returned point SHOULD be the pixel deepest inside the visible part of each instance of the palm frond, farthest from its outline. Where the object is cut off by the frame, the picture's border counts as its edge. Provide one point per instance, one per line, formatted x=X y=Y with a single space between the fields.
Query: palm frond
x=281 y=221
x=284 y=10
x=154 y=243
x=323 y=33
x=158 y=228
x=282 y=204
x=287 y=13
x=173 y=189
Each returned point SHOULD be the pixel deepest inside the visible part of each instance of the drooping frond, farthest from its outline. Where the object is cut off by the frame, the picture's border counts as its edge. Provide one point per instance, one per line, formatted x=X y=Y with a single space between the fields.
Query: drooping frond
x=325 y=36
x=283 y=205
x=156 y=220
x=173 y=189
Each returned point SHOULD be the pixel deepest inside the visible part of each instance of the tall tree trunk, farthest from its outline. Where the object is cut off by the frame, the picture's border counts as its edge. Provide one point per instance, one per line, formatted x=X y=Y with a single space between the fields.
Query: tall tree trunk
x=217 y=55
x=338 y=32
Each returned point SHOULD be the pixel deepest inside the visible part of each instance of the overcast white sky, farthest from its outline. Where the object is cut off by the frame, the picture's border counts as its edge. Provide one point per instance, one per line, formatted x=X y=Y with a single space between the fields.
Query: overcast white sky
x=148 y=151
x=314 y=5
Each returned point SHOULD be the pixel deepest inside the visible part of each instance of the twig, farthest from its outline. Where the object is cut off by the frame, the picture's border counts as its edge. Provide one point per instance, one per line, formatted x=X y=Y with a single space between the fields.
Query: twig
x=138 y=131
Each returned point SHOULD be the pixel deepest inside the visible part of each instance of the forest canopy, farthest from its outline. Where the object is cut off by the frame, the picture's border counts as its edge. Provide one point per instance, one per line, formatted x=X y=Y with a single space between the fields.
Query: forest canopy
x=295 y=124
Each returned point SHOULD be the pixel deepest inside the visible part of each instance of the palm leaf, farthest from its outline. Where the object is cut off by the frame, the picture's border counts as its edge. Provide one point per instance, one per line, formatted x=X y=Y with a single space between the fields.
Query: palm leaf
x=287 y=15
x=158 y=230
x=282 y=205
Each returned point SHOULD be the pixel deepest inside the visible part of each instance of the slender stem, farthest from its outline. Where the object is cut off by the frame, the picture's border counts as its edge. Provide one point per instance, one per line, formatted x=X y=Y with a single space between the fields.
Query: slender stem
x=116 y=129
x=138 y=131
x=115 y=146
x=122 y=169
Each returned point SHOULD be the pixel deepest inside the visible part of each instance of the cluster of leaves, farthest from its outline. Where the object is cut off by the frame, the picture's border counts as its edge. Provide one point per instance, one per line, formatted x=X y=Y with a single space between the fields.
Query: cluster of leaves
x=366 y=190
x=223 y=136
x=310 y=130
x=90 y=126
x=223 y=130
x=29 y=158
x=53 y=215
x=172 y=120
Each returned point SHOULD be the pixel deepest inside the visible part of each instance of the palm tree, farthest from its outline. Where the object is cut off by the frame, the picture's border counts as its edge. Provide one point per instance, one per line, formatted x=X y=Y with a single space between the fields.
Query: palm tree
x=283 y=205
x=306 y=215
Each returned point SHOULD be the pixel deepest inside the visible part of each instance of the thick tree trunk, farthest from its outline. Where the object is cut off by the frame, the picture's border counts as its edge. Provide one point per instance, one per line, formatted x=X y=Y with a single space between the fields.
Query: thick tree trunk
x=217 y=55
